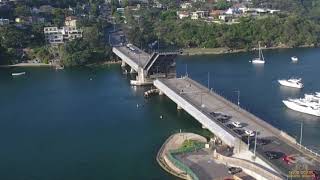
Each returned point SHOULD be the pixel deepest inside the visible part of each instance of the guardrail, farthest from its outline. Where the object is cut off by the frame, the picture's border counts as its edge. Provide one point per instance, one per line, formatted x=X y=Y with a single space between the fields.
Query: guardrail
x=179 y=164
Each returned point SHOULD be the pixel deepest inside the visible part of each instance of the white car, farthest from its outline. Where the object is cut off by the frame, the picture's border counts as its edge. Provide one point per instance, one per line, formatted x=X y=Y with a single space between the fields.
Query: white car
x=249 y=132
x=237 y=124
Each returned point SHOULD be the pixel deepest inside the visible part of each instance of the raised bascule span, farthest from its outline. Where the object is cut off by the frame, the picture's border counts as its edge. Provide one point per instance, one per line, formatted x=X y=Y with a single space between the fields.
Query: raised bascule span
x=147 y=66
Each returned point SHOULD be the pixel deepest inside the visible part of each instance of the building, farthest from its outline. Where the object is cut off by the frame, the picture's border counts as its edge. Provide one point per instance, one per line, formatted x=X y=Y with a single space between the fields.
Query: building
x=4 y=22
x=185 y=5
x=71 y=21
x=182 y=14
x=55 y=35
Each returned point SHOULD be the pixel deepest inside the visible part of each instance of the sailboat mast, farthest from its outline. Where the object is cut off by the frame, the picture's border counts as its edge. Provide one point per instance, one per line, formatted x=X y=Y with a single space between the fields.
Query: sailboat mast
x=259 y=51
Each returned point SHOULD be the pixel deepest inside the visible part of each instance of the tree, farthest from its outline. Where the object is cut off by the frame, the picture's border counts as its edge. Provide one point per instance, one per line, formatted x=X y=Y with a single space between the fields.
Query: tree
x=75 y=53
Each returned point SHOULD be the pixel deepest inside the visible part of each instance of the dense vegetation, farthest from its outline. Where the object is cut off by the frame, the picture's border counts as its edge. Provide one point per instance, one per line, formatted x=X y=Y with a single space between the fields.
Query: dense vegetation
x=277 y=30
x=24 y=41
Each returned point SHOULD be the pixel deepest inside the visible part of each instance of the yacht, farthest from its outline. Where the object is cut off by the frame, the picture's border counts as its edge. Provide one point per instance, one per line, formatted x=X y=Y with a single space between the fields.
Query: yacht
x=294 y=83
x=311 y=108
x=18 y=74
x=260 y=59
x=294 y=58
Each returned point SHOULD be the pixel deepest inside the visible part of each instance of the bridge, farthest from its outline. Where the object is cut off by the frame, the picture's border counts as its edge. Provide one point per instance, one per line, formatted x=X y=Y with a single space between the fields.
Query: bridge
x=201 y=103
x=147 y=66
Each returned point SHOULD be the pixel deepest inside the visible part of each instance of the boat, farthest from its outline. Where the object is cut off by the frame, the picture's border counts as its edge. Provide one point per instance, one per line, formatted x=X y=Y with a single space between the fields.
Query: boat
x=18 y=74
x=303 y=106
x=294 y=58
x=294 y=83
x=260 y=59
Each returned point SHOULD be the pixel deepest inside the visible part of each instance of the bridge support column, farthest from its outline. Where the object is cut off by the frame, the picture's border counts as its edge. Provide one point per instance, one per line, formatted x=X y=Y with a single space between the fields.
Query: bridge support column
x=132 y=71
x=179 y=107
x=123 y=64
x=161 y=93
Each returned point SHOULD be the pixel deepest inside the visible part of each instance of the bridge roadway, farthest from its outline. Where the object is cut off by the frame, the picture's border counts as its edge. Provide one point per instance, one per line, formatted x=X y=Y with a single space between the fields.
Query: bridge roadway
x=135 y=59
x=199 y=101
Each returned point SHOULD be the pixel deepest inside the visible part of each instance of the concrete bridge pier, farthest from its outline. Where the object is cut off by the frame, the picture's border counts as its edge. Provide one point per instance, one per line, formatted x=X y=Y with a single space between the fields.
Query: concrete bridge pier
x=179 y=107
x=123 y=64
x=132 y=71
x=161 y=93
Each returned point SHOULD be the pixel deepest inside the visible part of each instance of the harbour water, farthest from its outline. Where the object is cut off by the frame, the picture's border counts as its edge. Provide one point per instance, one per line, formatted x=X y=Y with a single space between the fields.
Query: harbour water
x=91 y=124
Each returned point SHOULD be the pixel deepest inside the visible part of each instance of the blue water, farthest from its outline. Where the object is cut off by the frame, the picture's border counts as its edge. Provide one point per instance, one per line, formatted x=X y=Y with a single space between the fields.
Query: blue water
x=89 y=123
x=260 y=92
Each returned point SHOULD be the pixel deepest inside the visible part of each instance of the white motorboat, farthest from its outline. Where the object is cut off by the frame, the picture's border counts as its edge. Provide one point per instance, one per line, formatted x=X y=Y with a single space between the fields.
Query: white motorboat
x=294 y=83
x=260 y=59
x=294 y=58
x=304 y=107
x=18 y=74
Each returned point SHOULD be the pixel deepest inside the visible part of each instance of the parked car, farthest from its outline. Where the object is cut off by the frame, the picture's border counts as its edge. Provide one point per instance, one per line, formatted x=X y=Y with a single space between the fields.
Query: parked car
x=263 y=142
x=222 y=120
x=239 y=131
x=316 y=175
x=234 y=170
x=289 y=159
x=273 y=154
x=250 y=132
x=230 y=126
x=214 y=114
x=237 y=124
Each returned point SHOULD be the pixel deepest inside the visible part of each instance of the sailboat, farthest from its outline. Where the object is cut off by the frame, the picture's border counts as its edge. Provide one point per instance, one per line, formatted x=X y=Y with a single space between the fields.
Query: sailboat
x=260 y=59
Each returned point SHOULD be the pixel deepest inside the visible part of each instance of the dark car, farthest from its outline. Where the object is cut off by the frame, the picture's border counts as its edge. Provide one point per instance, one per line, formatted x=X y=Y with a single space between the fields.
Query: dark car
x=222 y=120
x=231 y=126
x=273 y=154
x=234 y=170
x=239 y=131
x=214 y=114
x=263 y=141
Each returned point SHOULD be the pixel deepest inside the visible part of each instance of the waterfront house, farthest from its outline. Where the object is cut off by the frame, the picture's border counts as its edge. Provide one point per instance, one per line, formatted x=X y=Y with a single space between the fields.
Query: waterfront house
x=4 y=22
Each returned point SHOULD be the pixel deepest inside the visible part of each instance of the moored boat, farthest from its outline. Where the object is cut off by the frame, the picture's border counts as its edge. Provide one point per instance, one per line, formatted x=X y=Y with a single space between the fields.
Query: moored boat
x=304 y=107
x=294 y=58
x=260 y=59
x=294 y=83
x=18 y=74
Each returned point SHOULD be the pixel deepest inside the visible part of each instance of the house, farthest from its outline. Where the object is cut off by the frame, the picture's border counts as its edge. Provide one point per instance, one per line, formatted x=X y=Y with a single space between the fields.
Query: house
x=199 y=14
x=4 y=22
x=183 y=14
x=55 y=35
x=225 y=17
x=71 y=21
x=185 y=5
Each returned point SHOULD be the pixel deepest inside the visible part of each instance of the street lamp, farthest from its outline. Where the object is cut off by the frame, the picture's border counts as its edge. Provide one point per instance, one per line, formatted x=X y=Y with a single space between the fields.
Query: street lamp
x=238 y=92
x=301 y=132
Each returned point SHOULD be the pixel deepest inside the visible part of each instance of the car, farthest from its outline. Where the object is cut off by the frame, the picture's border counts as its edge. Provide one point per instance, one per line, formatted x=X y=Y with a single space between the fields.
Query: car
x=315 y=175
x=288 y=159
x=214 y=114
x=224 y=116
x=237 y=124
x=222 y=120
x=273 y=155
x=239 y=131
x=249 y=132
x=230 y=126
x=263 y=142
x=234 y=170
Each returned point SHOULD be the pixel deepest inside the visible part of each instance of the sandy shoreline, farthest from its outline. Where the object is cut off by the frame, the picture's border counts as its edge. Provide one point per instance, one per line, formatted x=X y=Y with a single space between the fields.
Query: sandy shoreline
x=27 y=65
